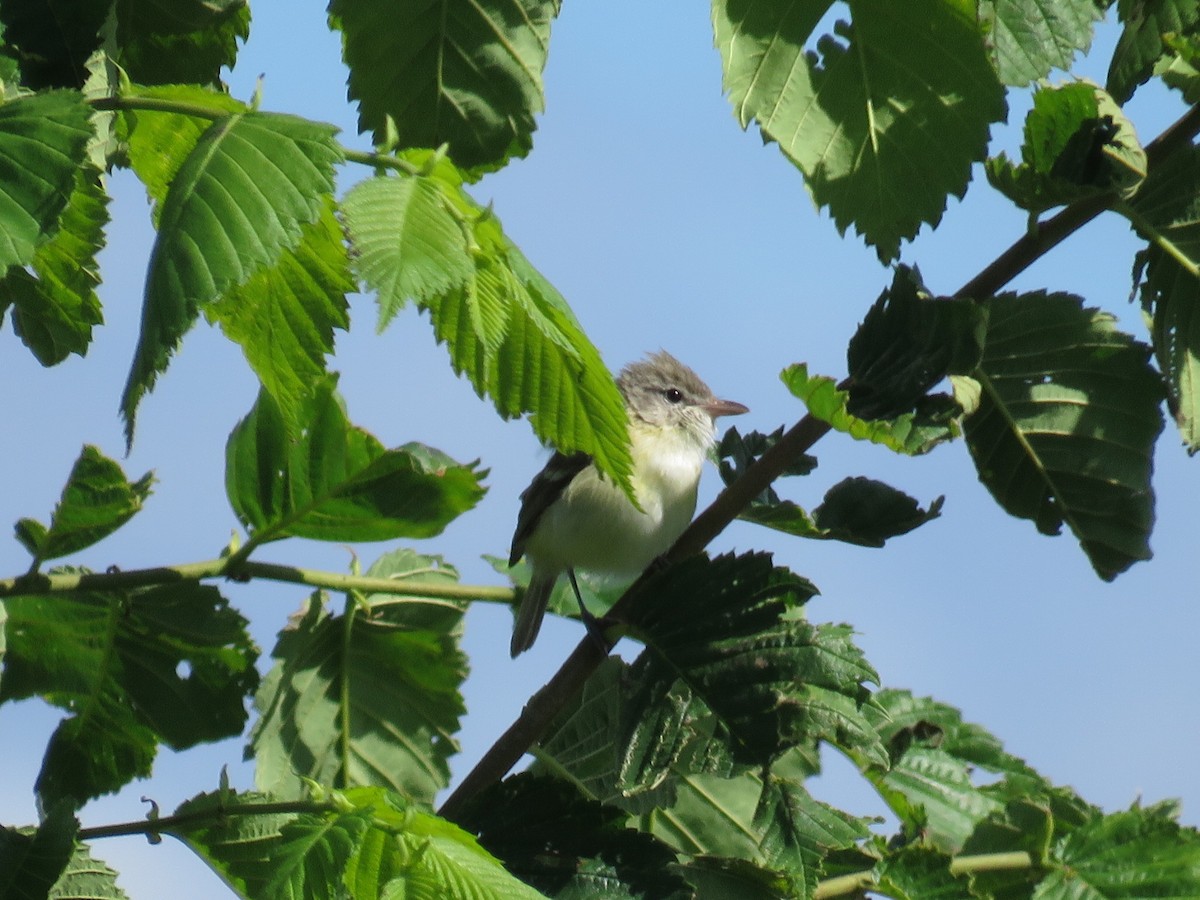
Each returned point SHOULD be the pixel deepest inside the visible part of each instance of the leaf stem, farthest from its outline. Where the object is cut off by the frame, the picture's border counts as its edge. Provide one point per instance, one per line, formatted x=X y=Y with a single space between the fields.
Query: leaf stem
x=116 y=580
x=855 y=883
x=1155 y=235
x=169 y=824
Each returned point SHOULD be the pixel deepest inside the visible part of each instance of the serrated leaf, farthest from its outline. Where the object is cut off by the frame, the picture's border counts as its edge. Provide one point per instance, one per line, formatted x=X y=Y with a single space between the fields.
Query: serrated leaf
x=87 y=878
x=284 y=317
x=1142 y=43
x=868 y=512
x=53 y=39
x=887 y=167
x=1028 y=38
x=1127 y=855
x=910 y=434
x=565 y=845
x=180 y=42
x=736 y=879
x=507 y=329
x=918 y=873
x=908 y=342
x=771 y=680
x=368 y=697
x=408 y=245
x=43 y=141
x=1078 y=144
x=469 y=76
x=170 y=664
x=32 y=860
x=96 y=501
x=240 y=199
x=160 y=142
x=933 y=753
x=1179 y=70
x=1170 y=293
x=54 y=302
x=336 y=482
x=1067 y=423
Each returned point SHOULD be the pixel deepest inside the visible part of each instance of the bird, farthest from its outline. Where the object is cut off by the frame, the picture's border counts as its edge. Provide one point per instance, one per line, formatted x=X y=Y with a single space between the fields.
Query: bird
x=573 y=517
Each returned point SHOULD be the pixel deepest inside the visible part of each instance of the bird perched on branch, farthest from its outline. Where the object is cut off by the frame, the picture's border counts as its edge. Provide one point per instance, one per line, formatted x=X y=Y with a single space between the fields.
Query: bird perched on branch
x=573 y=518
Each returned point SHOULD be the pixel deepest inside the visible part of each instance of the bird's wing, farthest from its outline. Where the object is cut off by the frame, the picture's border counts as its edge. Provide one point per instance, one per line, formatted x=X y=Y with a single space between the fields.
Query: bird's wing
x=543 y=491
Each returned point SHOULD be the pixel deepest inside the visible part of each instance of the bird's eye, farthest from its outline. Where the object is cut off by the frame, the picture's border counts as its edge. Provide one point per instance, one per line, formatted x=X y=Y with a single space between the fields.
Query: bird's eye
x=673 y=395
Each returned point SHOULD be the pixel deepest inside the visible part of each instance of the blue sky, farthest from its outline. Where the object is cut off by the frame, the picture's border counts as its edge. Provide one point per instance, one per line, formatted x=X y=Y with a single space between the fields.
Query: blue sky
x=664 y=225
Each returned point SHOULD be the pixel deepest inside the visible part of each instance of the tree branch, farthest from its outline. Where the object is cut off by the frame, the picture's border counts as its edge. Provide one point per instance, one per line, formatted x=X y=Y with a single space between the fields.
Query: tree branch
x=855 y=883
x=545 y=705
x=168 y=824
x=116 y=580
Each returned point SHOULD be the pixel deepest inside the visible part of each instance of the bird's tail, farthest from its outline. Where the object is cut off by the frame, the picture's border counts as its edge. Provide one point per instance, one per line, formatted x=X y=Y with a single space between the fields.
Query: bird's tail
x=531 y=611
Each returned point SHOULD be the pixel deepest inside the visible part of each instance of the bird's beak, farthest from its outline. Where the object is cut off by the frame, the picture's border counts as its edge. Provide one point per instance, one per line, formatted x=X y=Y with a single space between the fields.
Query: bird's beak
x=718 y=408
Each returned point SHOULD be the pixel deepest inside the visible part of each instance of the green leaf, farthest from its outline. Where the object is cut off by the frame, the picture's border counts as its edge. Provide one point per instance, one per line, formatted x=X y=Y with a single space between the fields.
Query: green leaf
x=908 y=342
x=1142 y=852
x=868 y=512
x=169 y=664
x=506 y=328
x=43 y=141
x=240 y=199
x=54 y=302
x=1178 y=69
x=336 y=482
x=1078 y=144
x=933 y=753
x=96 y=501
x=771 y=680
x=160 y=142
x=52 y=39
x=284 y=316
x=1028 y=38
x=885 y=167
x=32 y=860
x=469 y=76
x=410 y=245
x=910 y=434
x=180 y=42
x=564 y=845
x=1066 y=426
x=1169 y=206
x=87 y=878
x=1142 y=42
x=369 y=697
x=918 y=873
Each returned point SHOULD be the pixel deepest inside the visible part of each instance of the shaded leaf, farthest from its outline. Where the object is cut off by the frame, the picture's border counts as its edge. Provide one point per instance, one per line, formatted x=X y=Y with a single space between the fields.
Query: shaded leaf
x=368 y=697
x=1066 y=426
x=54 y=301
x=43 y=141
x=908 y=342
x=564 y=845
x=884 y=164
x=284 y=317
x=1170 y=293
x=179 y=42
x=238 y=201
x=467 y=75
x=336 y=482
x=87 y=878
x=170 y=664
x=1028 y=38
x=96 y=501
x=771 y=680
x=52 y=39
x=737 y=879
x=32 y=860
x=868 y=512
x=1142 y=44
x=919 y=873
x=1078 y=144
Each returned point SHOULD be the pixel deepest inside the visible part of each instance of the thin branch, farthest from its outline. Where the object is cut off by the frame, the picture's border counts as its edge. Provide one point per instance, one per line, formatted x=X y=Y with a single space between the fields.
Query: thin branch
x=169 y=824
x=545 y=705
x=855 y=883
x=117 y=580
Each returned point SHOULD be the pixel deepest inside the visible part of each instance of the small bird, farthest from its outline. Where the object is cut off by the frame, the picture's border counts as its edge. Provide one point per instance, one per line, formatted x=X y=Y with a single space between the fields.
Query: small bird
x=571 y=517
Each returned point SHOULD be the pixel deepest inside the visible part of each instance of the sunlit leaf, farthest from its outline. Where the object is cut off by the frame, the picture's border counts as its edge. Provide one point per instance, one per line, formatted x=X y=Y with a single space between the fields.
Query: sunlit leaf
x=1028 y=38
x=1142 y=44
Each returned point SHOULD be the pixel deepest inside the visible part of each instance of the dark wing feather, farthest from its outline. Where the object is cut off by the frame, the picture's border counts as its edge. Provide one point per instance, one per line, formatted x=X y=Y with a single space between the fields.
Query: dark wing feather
x=545 y=488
